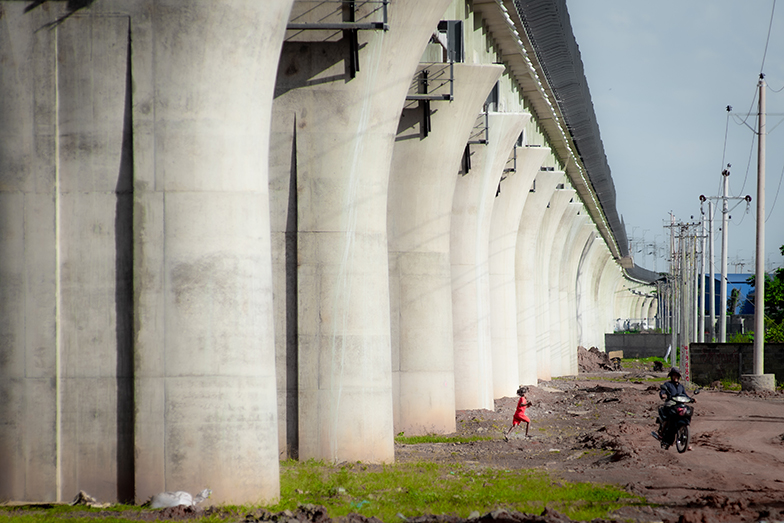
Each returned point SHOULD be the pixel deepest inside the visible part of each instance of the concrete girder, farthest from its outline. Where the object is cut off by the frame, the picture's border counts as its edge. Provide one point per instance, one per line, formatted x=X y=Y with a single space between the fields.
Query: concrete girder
x=422 y=183
x=541 y=192
x=146 y=330
x=343 y=130
x=469 y=248
x=546 y=336
x=507 y=213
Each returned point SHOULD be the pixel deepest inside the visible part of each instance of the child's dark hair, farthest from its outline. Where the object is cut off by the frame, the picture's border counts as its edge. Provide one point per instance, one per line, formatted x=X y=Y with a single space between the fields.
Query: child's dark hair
x=522 y=390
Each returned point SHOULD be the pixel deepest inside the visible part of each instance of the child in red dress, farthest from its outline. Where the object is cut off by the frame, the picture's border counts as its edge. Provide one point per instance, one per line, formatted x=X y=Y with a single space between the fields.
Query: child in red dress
x=519 y=415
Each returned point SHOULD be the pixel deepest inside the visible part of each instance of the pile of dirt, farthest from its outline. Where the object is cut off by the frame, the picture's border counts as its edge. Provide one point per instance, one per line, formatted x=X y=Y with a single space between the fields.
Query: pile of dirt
x=318 y=514
x=593 y=360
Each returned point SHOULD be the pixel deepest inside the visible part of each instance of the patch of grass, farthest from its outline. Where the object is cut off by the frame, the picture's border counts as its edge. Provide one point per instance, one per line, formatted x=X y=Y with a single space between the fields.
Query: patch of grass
x=729 y=384
x=38 y=513
x=413 y=489
x=384 y=491
x=436 y=438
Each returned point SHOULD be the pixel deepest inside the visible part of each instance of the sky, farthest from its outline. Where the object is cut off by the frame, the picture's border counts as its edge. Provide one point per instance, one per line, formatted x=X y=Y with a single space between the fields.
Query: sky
x=661 y=75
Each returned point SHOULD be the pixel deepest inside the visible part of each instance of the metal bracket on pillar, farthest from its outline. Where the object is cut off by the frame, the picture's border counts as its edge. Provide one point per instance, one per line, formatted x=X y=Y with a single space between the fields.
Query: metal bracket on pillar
x=349 y=25
x=480 y=131
x=429 y=84
x=518 y=143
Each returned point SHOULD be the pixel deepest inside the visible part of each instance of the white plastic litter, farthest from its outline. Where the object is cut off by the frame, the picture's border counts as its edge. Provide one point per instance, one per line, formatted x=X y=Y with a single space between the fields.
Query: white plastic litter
x=173 y=499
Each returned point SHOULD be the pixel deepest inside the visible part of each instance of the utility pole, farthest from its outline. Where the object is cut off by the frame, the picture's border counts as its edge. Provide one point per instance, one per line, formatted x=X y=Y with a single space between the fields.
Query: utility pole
x=683 y=238
x=759 y=279
x=725 y=214
x=724 y=240
x=701 y=288
x=712 y=282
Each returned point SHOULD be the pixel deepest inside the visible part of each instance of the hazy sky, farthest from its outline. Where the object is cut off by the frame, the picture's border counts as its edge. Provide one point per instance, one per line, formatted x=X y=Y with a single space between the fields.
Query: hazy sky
x=661 y=75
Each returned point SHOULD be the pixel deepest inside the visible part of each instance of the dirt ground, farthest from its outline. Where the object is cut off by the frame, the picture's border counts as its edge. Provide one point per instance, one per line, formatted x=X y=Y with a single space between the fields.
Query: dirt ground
x=596 y=427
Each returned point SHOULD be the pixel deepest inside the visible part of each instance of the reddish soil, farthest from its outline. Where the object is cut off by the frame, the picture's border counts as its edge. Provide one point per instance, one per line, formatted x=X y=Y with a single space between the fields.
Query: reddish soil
x=597 y=427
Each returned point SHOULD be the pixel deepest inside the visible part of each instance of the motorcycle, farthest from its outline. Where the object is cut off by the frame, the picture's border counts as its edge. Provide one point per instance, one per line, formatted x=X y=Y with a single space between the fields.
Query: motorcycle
x=674 y=420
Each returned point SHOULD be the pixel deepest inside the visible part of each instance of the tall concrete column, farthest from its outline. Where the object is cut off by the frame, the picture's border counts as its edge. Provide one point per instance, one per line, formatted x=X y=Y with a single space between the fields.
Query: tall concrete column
x=560 y=317
x=422 y=182
x=584 y=296
x=504 y=234
x=342 y=123
x=526 y=254
x=205 y=382
x=604 y=317
x=545 y=335
x=583 y=230
x=469 y=245
x=134 y=140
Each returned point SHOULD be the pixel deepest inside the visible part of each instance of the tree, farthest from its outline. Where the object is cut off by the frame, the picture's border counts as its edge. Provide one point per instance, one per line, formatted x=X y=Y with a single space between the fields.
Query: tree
x=774 y=303
x=732 y=302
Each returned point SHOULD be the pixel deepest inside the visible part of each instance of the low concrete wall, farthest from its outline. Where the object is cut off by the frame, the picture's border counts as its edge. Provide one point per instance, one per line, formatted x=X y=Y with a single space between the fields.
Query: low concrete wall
x=713 y=361
x=638 y=345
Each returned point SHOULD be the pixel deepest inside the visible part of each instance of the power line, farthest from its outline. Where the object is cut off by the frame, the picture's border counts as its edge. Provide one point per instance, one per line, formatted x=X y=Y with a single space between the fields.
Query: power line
x=775 y=198
x=767 y=40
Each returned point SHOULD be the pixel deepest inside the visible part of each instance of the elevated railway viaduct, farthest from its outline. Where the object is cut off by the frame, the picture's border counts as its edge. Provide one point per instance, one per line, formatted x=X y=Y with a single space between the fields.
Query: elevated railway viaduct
x=237 y=231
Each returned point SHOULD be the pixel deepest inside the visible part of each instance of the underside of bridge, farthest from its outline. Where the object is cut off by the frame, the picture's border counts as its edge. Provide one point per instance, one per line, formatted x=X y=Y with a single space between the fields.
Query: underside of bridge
x=242 y=231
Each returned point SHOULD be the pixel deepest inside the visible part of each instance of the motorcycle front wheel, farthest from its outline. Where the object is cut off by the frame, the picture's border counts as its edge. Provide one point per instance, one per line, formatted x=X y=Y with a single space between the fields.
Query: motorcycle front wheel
x=682 y=439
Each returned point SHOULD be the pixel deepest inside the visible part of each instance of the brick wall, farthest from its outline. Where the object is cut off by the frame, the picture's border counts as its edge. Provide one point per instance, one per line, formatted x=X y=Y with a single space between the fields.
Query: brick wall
x=638 y=345
x=715 y=361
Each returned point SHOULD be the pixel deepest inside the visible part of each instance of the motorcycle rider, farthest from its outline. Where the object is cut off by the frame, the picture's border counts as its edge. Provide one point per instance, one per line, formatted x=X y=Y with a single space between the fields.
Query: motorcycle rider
x=668 y=389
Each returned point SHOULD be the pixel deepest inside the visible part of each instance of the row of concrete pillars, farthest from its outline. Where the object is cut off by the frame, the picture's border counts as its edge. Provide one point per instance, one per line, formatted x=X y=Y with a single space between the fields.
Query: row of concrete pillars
x=205 y=266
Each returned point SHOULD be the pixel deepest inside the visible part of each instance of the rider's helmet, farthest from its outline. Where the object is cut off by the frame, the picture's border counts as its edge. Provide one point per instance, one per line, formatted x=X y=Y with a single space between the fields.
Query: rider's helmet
x=522 y=390
x=675 y=371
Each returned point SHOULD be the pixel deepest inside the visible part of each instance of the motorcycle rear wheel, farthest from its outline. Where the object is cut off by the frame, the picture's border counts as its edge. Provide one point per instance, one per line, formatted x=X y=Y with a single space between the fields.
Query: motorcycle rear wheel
x=682 y=439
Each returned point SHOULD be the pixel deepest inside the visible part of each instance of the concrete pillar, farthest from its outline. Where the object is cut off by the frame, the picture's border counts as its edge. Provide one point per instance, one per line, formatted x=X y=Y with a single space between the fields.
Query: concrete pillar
x=469 y=246
x=136 y=234
x=341 y=127
x=526 y=254
x=582 y=231
x=546 y=336
x=587 y=276
x=422 y=182
x=560 y=316
x=608 y=285
x=205 y=381
x=504 y=234
x=754 y=382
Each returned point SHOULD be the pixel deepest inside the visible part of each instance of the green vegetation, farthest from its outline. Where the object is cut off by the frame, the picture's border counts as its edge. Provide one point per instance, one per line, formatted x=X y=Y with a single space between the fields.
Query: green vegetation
x=38 y=513
x=385 y=491
x=741 y=337
x=420 y=488
x=636 y=363
x=774 y=305
x=436 y=438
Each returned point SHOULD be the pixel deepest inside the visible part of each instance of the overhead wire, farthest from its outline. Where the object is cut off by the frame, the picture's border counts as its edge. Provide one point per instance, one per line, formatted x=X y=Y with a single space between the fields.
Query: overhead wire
x=767 y=40
x=775 y=198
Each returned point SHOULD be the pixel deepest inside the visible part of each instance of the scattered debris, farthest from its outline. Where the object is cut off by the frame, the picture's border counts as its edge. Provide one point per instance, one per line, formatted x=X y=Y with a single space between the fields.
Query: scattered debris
x=178 y=498
x=83 y=498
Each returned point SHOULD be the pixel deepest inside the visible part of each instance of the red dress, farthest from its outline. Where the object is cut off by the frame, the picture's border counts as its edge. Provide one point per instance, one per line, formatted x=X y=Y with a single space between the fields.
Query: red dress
x=519 y=414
